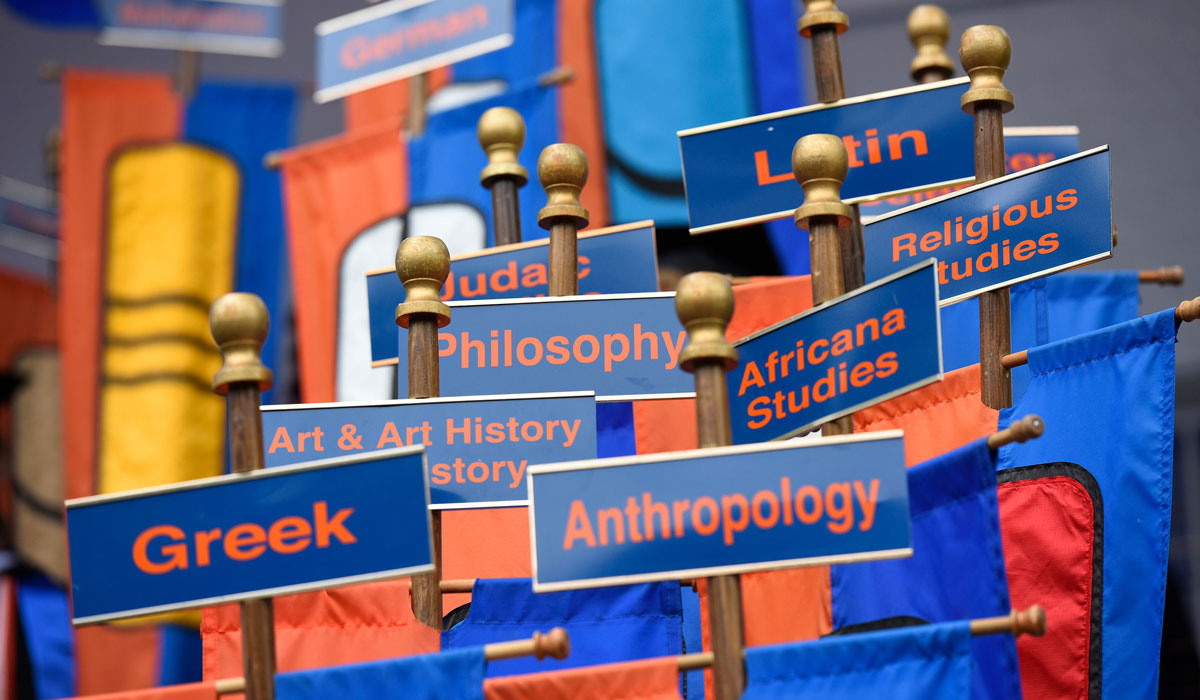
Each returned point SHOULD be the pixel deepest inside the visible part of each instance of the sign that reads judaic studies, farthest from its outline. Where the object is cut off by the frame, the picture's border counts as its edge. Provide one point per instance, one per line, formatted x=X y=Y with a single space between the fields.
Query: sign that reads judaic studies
x=621 y=346
x=740 y=172
x=245 y=27
x=617 y=260
x=1030 y=224
x=240 y=536
x=478 y=448
x=864 y=347
x=398 y=39
x=719 y=511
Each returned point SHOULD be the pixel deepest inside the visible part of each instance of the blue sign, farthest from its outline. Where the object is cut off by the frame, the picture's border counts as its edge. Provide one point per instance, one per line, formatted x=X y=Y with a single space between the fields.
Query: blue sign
x=617 y=260
x=621 y=346
x=478 y=447
x=719 y=511
x=401 y=38
x=740 y=172
x=246 y=27
x=240 y=536
x=1034 y=223
x=861 y=348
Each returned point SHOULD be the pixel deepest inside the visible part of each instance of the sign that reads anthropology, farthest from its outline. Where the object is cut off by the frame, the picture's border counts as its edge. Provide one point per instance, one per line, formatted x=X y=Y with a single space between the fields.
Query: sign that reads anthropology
x=246 y=27
x=719 y=511
x=740 y=172
x=240 y=536
x=478 y=447
x=398 y=39
x=617 y=260
x=621 y=346
x=1030 y=224
x=864 y=347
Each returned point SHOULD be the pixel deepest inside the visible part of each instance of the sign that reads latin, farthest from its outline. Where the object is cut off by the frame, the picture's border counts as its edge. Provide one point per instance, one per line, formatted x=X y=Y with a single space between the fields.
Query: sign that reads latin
x=740 y=172
x=245 y=27
x=864 y=347
x=621 y=346
x=478 y=447
x=719 y=511
x=1030 y=224
x=240 y=536
x=617 y=260
x=398 y=39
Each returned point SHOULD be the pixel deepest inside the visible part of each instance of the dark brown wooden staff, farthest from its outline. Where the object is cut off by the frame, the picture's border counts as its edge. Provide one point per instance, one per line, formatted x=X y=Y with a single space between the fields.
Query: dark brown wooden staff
x=563 y=171
x=239 y=324
x=501 y=133
x=929 y=30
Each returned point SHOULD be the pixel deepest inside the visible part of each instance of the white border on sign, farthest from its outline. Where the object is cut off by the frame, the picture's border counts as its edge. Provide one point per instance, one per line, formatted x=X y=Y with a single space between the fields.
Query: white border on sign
x=265 y=47
x=1069 y=130
x=367 y=14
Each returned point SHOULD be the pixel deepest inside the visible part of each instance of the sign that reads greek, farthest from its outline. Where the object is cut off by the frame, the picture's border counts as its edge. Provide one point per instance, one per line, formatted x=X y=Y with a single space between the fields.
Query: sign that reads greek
x=719 y=511
x=478 y=447
x=401 y=38
x=864 y=347
x=617 y=260
x=1030 y=224
x=740 y=172
x=621 y=346
x=246 y=27
x=239 y=536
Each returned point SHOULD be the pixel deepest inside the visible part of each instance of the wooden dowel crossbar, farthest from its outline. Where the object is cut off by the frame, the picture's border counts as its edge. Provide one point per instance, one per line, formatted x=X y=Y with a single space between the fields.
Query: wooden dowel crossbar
x=1163 y=275
x=1028 y=428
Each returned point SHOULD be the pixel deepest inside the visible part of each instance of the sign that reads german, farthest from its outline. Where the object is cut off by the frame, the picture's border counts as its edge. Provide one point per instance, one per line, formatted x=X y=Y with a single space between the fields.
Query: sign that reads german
x=617 y=260
x=907 y=140
x=621 y=346
x=240 y=536
x=245 y=27
x=401 y=38
x=1030 y=224
x=478 y=447
x=867 y=346
x=719 y=511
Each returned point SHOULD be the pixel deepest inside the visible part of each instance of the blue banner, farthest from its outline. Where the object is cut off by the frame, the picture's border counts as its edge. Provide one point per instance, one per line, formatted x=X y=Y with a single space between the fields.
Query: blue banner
x=245 y=27
x=477 y=447
x=1018 y=227
x=240 y=536
x=740 y=172
x=720 y=510
x=864 y=347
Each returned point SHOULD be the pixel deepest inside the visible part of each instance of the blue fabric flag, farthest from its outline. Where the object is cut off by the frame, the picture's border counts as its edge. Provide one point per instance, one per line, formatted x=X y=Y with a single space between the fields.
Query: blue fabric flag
x=59 y=14
x=181 y=655
x=533 y=52
x=449 y=675
x=926 y=662
x=46 y=625
x=957 y=568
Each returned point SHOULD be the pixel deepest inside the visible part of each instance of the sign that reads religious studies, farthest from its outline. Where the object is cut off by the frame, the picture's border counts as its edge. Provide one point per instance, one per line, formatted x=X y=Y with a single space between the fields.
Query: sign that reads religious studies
x=864 y=347
x=246 y=27
x=617 y=260
x=478 y=447
x=398 y=39
x=240 y=536
x=1030 y=224
x=740 y=172
x=719 y=511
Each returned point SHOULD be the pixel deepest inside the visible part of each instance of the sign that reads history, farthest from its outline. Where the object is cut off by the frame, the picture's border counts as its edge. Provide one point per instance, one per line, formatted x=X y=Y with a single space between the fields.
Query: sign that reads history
x=478 y=447
x=861 y=348
x=719 y=511
x=239 y=536
x=1030 y=224
x=740 y=172
x=617 y=260
x=246 y=27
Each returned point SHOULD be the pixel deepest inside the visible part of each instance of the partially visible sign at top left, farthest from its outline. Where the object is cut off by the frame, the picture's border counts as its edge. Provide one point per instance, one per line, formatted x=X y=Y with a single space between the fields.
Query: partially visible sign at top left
x=245 y=27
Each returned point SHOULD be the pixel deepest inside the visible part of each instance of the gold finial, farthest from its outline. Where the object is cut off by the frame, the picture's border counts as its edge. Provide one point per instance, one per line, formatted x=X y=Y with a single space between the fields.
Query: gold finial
x=422 y=263
x=501 y=132
x=821 y=12
x=820 y=163
x=985 y=50
x=563 y=171
x=239 y=323
x=704 y=304
x=929 y=30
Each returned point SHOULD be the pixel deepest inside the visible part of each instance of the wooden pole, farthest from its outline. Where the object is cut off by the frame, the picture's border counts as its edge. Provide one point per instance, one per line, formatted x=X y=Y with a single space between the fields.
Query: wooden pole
x=985 y=51
x=239 y=324
x=417 y=86
x=187 y=73
x=501 y=133
x=422 y=263
x=929 y=30
x=704 y=304
x=563 y=171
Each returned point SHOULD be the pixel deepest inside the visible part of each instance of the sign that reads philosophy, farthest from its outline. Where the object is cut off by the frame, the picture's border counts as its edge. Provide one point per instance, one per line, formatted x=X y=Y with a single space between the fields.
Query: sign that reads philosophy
x=621 y=346
x=617 y=260
x=240 y=536
x=246 y=27
x=740 y=172
x=398 y=39
x=478 y=447
x=1030 y=224
x=719 y=511
x=864 y=347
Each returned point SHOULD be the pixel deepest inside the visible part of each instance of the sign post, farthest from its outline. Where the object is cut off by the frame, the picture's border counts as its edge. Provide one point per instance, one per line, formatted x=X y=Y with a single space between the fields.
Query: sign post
x=501 y=133
x=929 y=30
x=563 y=171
